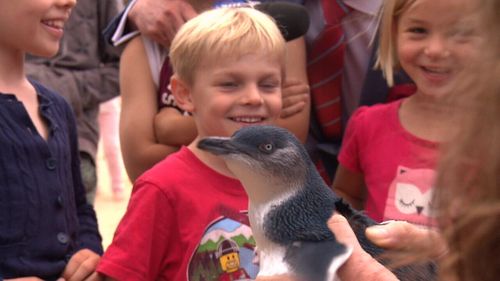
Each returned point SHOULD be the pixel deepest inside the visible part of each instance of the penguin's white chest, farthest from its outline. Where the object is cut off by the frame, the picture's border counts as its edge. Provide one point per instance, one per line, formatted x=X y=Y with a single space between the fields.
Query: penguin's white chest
x=271 y=255
x=272 y=261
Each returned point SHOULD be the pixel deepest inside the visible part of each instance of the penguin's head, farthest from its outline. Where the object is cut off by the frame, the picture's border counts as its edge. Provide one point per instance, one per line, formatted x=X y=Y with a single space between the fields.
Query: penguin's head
x=268 y=153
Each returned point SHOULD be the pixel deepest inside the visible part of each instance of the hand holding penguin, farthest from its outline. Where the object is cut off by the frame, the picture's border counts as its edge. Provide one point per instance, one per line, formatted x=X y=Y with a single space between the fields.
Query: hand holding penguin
x=289 y=206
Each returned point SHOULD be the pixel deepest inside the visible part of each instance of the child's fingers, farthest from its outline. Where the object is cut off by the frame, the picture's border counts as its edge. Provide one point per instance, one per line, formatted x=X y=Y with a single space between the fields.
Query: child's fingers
x=292 y=110
x=81 y=265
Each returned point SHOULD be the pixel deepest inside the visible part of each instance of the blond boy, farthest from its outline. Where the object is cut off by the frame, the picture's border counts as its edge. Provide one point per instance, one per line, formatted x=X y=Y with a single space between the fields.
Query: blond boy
x=229 y=67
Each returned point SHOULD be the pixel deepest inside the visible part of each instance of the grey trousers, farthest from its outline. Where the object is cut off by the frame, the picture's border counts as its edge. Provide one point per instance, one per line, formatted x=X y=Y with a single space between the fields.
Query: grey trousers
x=89 y=176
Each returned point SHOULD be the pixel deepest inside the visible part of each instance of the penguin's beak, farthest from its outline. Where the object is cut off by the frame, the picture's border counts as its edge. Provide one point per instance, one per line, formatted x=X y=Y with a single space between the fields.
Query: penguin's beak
x=217 y=145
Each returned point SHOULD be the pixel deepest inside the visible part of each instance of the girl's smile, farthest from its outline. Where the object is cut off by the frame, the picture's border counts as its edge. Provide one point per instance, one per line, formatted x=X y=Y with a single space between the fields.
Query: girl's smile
x=436 y=41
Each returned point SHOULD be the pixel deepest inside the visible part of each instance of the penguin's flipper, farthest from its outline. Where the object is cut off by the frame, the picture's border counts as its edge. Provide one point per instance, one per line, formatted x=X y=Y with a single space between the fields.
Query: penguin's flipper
x=316 y=261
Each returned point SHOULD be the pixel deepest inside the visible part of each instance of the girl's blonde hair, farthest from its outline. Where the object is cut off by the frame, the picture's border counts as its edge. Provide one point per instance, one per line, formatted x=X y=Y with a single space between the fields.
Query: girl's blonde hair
x=222 y=33
x=387 y=58
x=468 y=185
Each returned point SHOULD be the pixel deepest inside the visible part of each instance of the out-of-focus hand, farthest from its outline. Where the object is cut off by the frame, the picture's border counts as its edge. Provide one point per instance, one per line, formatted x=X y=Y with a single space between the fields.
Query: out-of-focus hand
x=160 y=19
x=82 y=266
x=403 y=236
x=295 y=96
x=360 y=266
x=343 y=232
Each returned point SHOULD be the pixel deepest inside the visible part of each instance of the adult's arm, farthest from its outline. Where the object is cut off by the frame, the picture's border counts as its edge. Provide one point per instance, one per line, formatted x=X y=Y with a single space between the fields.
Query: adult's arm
x=160 y=19
x=157 y=19
x=140 y=148
x=296 y=97
x=174 y=128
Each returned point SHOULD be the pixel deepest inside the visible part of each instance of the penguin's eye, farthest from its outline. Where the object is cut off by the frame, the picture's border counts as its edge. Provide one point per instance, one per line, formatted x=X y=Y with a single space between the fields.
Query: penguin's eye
x=266 y=147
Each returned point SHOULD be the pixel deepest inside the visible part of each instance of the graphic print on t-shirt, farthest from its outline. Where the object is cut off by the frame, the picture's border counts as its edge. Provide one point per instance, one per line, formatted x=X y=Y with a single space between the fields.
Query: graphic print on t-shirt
x=410 y=196
x=226 y=251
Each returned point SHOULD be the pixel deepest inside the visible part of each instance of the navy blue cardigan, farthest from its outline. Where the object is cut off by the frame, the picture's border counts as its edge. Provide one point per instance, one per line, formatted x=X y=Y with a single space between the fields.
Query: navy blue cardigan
x=44 y=217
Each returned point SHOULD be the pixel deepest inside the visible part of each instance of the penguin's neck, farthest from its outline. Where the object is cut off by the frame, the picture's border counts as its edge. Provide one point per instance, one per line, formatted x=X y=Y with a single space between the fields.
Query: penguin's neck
x=257 y=213
x=271 y=254
x=263 y=189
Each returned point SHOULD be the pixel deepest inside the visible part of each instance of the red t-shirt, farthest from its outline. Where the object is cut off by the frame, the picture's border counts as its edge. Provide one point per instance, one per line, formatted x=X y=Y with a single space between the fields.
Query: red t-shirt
x=398 y=167
x=179 y=213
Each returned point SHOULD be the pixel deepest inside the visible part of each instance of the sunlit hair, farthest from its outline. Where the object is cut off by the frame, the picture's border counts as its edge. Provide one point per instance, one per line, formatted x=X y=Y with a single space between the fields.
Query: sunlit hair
x=224 y=33
x=468 y=184
x=387 y=57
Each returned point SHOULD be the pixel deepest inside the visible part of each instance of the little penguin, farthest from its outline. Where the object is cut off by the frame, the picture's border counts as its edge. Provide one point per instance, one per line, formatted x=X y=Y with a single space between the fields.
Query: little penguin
x=289 y=206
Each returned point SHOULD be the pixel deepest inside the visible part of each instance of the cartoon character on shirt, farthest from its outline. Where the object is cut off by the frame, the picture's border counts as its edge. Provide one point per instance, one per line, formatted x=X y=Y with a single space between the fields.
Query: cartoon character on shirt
x=226 y=251
x=410 y=196
x=229 y=259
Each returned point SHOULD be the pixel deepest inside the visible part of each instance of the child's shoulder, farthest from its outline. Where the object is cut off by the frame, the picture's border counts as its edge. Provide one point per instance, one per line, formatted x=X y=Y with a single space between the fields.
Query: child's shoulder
x=40 y=88
x=372 y=119
x=376 y=111
x=178 y=171
x=176 y=166
x=48 y=93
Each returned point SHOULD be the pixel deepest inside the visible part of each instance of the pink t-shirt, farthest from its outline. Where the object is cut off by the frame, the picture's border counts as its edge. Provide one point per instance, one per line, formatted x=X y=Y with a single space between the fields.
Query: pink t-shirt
x=398 y=167
x=184 y=222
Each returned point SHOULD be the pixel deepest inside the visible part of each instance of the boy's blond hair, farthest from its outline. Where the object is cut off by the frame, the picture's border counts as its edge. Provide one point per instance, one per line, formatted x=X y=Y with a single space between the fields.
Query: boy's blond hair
x=387 y=57
x=222 y=33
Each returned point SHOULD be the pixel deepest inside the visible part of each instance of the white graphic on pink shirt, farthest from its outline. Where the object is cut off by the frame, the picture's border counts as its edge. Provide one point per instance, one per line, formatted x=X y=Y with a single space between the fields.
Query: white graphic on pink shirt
x=410 y=196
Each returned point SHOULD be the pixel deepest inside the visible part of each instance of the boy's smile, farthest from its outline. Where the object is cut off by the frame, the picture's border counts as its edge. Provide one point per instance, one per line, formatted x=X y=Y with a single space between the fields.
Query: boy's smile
x=229 y=93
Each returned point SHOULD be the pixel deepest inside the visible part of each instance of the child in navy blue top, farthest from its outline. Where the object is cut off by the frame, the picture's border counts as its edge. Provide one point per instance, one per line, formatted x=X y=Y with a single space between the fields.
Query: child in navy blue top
x=47 y=230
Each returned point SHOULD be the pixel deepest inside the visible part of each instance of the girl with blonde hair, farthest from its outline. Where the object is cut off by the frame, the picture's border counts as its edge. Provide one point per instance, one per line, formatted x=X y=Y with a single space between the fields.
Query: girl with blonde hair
x=467 y=200
x=390 y=151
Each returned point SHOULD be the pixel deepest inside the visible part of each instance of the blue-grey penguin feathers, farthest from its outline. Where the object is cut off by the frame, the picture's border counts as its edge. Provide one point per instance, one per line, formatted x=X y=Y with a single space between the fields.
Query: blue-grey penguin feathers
x=290 y=205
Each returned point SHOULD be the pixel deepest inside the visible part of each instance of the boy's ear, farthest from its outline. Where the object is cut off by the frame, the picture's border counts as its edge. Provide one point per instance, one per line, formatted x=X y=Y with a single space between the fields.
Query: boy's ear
x=182 y=93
